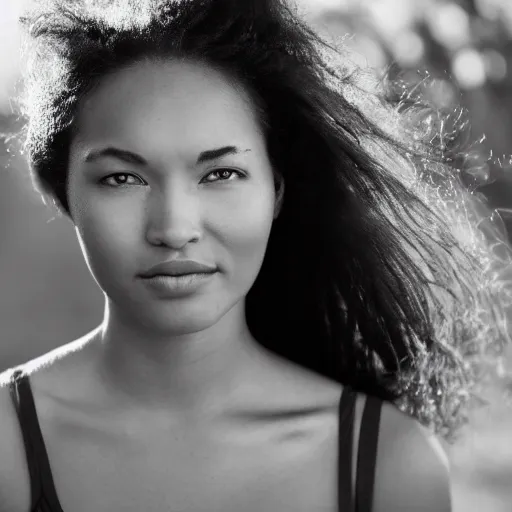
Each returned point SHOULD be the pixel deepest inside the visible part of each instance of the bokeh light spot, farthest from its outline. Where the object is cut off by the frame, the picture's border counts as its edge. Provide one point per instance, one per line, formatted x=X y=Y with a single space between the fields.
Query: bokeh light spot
x=408 y=48
x=468 y=66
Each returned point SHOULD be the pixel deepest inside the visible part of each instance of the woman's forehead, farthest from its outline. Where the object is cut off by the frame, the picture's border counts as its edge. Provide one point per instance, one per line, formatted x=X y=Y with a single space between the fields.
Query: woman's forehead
x=176 y=97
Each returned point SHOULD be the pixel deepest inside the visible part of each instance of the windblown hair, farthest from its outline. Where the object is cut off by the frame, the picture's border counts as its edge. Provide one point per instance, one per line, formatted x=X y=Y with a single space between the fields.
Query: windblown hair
x=378 y=272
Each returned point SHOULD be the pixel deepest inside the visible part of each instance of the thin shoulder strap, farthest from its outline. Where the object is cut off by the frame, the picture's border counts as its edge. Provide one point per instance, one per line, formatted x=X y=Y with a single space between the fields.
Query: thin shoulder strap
x=41 y=480
x=367 y=454
x=345 y=444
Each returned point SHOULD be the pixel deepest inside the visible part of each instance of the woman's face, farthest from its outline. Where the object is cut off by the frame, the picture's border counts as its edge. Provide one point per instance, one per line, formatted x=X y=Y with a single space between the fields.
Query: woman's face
x=152 y=199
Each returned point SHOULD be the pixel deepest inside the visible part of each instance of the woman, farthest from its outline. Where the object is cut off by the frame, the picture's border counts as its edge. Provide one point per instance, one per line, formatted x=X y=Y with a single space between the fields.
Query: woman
x=297 y=361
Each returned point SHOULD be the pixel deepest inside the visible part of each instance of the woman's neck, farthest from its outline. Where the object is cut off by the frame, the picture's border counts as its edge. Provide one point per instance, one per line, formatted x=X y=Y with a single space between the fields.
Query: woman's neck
x=197 y=373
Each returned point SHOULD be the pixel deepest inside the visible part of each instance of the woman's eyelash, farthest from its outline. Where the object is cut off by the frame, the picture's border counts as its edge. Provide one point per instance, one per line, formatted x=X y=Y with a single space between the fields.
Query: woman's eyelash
x=231 y=171
x=103 y=180
x=126 y=174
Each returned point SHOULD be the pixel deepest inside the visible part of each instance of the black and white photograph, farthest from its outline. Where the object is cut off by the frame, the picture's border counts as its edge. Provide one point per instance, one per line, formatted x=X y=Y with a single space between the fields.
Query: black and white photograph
x=255 y=256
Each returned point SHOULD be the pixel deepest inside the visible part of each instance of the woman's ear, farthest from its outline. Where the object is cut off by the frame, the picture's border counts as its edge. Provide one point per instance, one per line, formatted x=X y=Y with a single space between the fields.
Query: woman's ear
x=279 y=182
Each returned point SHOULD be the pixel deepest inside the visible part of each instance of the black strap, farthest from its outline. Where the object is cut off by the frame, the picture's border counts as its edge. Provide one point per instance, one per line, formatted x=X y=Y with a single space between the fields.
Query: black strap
x=37 y=457
x=367 y=454
x=345 y=445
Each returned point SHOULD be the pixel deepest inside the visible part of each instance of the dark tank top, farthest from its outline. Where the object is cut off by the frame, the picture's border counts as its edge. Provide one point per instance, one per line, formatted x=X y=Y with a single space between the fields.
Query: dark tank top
x=44 y=495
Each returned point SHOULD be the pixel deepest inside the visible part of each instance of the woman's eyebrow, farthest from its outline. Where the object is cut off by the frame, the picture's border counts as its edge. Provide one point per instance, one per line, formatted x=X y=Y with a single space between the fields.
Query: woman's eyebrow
x=120 y=154
x=134 y=158
x=212 y=154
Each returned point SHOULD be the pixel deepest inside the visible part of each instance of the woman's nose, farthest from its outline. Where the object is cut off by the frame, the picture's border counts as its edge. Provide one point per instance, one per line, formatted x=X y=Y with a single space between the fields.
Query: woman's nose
x=173 y=219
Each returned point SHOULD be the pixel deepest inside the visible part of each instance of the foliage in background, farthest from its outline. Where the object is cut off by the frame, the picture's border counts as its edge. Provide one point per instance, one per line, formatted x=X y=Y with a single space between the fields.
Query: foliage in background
x=464 y=48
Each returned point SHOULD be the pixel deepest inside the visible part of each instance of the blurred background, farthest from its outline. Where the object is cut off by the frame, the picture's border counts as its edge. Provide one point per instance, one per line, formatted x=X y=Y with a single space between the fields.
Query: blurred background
x=464 y=46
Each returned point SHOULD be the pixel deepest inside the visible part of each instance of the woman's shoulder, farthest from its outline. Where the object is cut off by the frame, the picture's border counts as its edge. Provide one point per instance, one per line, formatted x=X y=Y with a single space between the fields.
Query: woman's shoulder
x=14 y=476
x=46 y=374
x=404 y=428
x=412 y=466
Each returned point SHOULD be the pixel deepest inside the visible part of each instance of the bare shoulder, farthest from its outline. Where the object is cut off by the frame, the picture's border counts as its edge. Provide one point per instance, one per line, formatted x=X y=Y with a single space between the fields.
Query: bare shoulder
x=14 y=476
x=412 y=470
x=44 y=372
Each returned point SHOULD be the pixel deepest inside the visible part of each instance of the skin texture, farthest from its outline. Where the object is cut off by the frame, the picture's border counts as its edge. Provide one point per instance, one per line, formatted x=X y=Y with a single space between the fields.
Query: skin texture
x=181 y=354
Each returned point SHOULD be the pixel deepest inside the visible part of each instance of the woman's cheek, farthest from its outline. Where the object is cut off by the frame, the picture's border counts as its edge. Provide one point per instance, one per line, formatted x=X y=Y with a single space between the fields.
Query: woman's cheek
x=247 y=235
x=109 y=241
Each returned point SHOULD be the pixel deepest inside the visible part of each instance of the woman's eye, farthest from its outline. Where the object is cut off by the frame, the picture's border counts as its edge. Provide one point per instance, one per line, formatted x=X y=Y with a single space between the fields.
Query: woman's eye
x=115 y=180
x=225 y=174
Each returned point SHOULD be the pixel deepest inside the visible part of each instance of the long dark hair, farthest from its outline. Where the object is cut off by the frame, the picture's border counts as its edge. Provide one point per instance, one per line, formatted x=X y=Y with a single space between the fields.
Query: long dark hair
x=377 y=273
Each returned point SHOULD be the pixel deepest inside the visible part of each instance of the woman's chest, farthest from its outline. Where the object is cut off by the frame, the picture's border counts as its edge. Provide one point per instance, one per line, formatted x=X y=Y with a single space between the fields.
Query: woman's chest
x=288 y=467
